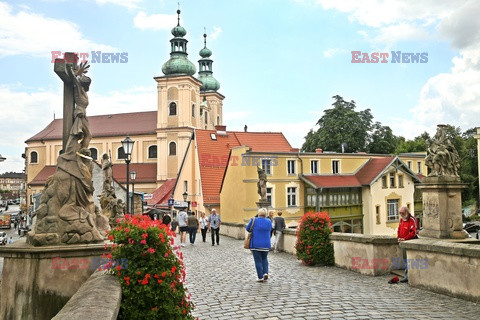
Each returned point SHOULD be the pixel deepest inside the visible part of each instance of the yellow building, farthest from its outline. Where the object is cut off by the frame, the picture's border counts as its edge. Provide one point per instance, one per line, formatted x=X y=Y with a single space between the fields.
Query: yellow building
x=361 y=192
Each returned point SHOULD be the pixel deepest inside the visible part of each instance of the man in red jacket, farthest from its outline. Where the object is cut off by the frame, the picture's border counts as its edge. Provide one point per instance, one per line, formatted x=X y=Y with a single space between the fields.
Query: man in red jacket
x=407 y=229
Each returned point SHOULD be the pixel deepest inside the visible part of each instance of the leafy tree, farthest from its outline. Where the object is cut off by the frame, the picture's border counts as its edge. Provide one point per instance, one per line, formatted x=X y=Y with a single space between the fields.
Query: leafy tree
x=340 y=125
x=418 y=144
x=382 y=140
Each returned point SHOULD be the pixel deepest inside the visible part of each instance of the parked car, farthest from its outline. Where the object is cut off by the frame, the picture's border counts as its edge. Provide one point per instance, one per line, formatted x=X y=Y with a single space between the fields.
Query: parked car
x=3 y=238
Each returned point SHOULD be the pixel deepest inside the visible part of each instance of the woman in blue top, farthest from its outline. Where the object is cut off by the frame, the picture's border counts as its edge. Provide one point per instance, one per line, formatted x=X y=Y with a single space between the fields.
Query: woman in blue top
x=260 y=244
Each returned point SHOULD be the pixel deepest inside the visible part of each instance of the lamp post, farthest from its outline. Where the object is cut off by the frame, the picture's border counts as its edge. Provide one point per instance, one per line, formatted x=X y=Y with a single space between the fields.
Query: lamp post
x=127 y=145
x=133 y=175
x=185 y=195
x=2 y=158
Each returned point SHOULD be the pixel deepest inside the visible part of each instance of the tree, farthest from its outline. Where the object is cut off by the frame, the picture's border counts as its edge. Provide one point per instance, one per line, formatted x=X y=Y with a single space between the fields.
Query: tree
x=382 y=140
x=418 y=144
x=340 y=124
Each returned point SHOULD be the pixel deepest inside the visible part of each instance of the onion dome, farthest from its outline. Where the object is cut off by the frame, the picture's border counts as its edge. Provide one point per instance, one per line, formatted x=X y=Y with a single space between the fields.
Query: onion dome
x=209 y=83
x=178 y=64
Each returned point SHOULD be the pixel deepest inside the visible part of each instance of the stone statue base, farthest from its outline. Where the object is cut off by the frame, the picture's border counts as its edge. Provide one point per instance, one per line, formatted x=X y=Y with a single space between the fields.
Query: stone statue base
x=263 y=204
x=38 y=281
x=442 y=208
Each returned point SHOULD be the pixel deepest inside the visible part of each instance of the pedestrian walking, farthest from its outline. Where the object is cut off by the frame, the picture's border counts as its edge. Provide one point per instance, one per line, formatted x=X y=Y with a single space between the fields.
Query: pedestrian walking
x=214 y=222
x=203 y=226
x=166 y=219
x=278 y=227
x=260 y=243
x=193 y=226
x=182 y=224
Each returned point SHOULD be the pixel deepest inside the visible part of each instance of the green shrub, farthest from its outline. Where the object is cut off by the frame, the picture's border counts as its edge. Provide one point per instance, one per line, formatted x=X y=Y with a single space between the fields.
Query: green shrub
x=313 y=239
x=151 y=273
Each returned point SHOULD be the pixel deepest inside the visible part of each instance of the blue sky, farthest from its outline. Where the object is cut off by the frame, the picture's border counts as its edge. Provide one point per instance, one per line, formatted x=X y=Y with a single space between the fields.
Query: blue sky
x=279 y=62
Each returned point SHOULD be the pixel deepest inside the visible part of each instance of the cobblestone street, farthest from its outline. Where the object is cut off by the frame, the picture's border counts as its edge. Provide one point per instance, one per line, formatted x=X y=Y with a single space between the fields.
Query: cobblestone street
x=222 y=281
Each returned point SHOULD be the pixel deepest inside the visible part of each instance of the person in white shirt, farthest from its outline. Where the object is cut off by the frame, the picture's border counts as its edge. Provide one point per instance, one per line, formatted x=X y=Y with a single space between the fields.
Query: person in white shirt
x=203 y=226
x=183 y=225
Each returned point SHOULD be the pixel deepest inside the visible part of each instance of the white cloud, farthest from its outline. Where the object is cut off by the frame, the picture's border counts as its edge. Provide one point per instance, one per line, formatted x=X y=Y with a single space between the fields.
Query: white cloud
x=155 y=21
x=216 y=32
x=330 y=52
x=130 y=4
x=27 y=33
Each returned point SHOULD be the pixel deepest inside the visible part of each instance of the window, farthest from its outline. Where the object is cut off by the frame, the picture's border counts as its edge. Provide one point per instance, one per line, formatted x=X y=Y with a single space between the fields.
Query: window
x=335 y=166
x=218 y=120
x=193 y=110
x=384 y=181
x=152 y=152
x=269 y=195
x=206 y=117
x=291 y=196
x=409 y=164
x=266 y=166
x=172 y=109
x=419 y=167
x=172 y=149
x=33 y=157
x=400 y=180
x=314 y=166
x=392 y=179
x=392 y=207
x=121 y=153
x=291 y=166
x=185 y=186
x=377 y=214
x=94 y=153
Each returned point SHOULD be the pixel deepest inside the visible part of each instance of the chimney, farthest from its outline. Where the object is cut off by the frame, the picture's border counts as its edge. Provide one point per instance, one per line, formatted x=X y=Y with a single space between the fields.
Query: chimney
x=219 y=127
x=318 y=150
x=245 y=128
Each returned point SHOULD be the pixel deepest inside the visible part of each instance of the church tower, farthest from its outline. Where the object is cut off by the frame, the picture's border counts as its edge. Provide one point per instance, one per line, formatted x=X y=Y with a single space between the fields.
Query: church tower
x=180 y=105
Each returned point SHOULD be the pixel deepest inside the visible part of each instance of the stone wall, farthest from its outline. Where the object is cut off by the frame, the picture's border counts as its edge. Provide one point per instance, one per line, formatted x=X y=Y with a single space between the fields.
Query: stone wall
x=98 y=298
x=369 y=255
x=452 y=267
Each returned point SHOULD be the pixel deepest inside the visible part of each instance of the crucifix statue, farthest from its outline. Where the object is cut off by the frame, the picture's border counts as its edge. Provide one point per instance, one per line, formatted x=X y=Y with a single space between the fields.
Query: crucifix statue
x=61 y=68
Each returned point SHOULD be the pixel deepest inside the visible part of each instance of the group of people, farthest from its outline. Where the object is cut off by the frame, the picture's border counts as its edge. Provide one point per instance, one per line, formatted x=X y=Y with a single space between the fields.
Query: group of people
x=188 y=222
x=266 y=233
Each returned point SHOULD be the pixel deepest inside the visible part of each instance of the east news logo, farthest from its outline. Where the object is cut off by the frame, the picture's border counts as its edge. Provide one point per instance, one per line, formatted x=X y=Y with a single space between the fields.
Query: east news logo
x=396 y=57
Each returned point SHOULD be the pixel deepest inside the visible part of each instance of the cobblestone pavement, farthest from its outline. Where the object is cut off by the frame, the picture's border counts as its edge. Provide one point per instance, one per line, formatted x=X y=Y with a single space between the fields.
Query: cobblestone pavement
x=222 y=281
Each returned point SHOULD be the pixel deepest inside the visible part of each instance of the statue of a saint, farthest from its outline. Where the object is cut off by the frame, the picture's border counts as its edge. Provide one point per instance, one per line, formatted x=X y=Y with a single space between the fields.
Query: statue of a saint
x=262 y=184
x=81 y=85
x=442 y=157
x=107 y=173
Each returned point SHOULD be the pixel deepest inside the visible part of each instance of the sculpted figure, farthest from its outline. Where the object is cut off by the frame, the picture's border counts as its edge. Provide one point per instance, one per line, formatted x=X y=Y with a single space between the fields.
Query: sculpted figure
x=442 y=157
x=107 y=173
x=262 y=184
x=81 y=85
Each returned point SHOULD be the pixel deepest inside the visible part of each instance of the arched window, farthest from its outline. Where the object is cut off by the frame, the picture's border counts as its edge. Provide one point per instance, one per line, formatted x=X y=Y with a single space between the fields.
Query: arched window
x=121 y=153
x=206 y=117
x=152 y=152
x=33 y=157
x=218 y=120
x=172 y=149
x=172 y=109
x=94 y=153
x=193 y=110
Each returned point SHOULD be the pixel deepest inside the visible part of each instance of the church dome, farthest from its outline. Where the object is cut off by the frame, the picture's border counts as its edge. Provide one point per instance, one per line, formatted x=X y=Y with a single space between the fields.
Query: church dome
x=179 y=31
x=205 y=53
x=178 y=64
x=209 y=83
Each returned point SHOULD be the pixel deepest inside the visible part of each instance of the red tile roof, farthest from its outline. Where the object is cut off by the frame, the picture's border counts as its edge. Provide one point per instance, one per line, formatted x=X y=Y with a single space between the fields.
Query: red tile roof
x=41 y=178
x=118 y=124
x=213 y=154
x=364 y=176
x=146 y=172
x=162 y=194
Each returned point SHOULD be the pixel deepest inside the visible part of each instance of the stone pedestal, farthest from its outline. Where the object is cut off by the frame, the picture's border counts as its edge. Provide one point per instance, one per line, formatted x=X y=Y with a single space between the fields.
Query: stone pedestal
x=442 y=208
x=263 y=204
x=38 y=281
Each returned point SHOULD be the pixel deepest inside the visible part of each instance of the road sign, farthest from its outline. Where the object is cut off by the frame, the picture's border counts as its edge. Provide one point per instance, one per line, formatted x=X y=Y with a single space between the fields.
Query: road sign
x=194 y=204
x=147 y=196
x=180 y=204
x=171 y=202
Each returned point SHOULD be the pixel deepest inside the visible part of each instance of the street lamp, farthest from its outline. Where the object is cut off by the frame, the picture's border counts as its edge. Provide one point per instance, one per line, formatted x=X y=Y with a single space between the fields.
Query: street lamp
x=133 y=175
x=2 y=158
x=127 y=145
x=185 y=195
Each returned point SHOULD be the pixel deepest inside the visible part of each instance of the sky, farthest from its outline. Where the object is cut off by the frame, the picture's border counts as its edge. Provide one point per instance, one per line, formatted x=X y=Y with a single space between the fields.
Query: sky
x=279 y=62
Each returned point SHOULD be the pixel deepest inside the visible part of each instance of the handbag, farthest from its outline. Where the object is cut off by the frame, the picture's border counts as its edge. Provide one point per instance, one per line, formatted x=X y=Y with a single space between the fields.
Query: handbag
x=246 y=243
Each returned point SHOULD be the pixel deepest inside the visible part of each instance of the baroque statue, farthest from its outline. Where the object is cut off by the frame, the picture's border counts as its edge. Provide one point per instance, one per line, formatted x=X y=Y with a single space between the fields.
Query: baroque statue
x=112 y=207
x=67 y=213
x=442 y=157
x=262 y=184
